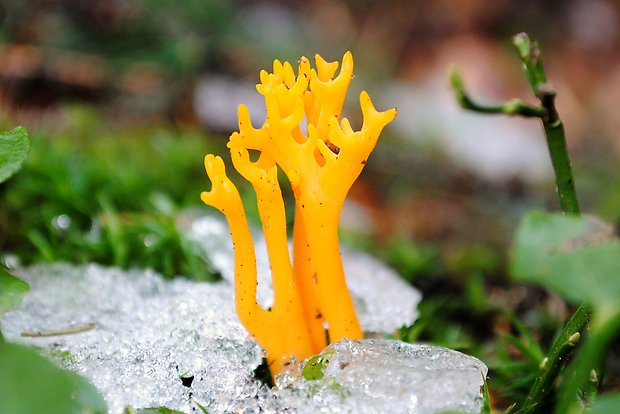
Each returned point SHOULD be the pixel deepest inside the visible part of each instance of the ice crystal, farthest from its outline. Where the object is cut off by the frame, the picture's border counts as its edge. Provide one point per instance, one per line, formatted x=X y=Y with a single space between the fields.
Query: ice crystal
x=147 y=342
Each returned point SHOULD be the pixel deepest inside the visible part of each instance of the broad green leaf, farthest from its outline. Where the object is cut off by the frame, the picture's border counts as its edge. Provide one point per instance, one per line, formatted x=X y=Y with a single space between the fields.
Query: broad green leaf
x=14 y=147
x=576 y=257
x=606 y=404
x=29 y=384
x=12 y=291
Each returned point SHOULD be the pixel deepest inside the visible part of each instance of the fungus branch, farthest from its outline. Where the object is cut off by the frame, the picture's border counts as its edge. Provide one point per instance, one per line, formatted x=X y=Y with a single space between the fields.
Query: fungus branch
x=321 y=164
x=277 y=330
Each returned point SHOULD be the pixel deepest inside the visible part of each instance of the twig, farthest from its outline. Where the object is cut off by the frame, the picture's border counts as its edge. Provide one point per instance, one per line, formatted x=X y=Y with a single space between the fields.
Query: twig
x=58 y=332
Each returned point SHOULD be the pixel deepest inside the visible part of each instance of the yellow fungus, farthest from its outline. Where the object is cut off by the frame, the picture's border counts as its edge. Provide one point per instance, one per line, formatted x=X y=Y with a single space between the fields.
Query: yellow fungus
x=321 y=162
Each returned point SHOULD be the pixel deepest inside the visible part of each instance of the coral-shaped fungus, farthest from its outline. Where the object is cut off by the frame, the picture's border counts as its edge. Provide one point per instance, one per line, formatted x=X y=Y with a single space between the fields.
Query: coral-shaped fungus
x=321 y=162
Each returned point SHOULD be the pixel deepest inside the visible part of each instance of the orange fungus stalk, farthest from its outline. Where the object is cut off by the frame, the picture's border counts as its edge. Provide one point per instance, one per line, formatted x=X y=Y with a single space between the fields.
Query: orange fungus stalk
x=320 y=153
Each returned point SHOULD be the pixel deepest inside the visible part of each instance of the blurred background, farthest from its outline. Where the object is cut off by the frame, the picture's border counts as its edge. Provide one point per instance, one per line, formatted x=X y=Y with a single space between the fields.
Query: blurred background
x=122 y=100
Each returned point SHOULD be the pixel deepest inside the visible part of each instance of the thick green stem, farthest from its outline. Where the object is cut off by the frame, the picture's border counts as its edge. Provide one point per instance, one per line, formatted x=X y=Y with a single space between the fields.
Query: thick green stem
x=565 y=184
x=534 y=71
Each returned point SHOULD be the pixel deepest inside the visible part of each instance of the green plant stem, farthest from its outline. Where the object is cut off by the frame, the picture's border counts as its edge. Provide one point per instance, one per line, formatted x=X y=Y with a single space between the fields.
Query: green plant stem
x=512 y=107
x=565 y=184
x=550 y=367
x=533 y=68
x=531 y=59
x=604 y=330
x=534 y=71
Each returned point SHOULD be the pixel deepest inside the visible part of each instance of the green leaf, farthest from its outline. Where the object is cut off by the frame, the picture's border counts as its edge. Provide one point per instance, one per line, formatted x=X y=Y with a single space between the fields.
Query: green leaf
x=314 y=368
x=576 y=257
x=29 y=384
x=12 y=291
x=486 y=407
x=14 y=147
x=201 y=407
x=606 y=404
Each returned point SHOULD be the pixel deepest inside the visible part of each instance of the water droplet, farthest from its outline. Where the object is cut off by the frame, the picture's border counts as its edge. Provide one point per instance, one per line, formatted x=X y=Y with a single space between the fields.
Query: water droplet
x=10 y=261
x=61 y=222
x=150 y=240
